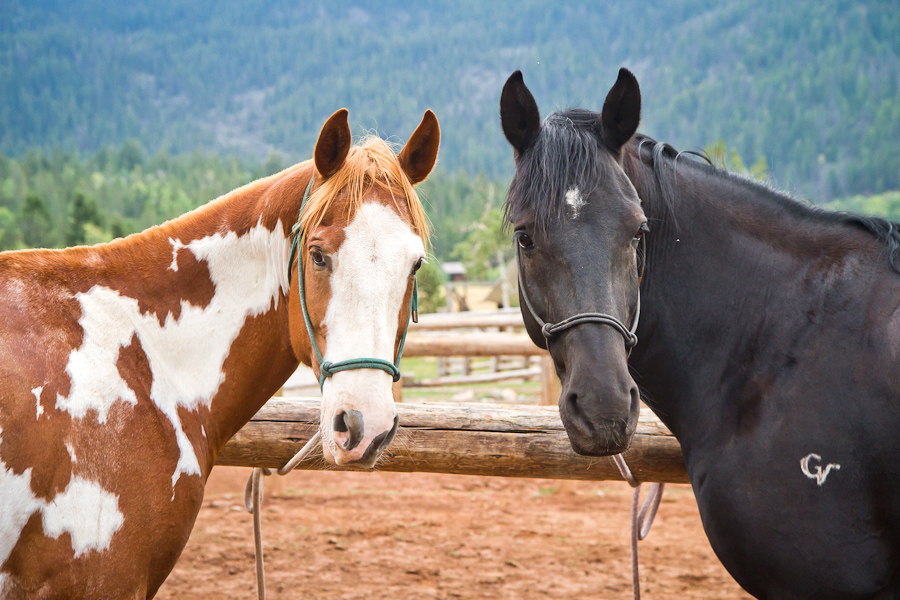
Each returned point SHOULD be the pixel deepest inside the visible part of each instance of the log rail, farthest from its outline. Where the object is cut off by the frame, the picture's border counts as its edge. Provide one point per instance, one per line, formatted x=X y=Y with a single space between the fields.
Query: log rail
x=465 y=439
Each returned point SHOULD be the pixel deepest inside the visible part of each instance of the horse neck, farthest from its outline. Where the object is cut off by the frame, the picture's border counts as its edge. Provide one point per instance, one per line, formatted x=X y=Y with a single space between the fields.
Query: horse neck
x=732 y=268
x=207 y=295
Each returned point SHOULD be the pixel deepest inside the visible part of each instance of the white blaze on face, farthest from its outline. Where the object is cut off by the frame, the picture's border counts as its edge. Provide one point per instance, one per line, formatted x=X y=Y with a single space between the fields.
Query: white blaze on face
x=575 y=202
x=368 y=284
x=187 y=354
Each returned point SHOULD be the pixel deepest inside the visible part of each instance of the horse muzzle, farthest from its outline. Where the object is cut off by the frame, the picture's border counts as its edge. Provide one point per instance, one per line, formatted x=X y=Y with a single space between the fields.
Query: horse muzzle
x=351 y=444
x=599 y=422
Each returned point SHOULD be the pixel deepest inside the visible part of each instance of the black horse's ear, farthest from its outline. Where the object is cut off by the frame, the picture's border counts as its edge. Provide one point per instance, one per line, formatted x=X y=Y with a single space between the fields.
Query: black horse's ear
x=621 y=111
x=333 y=143
x=519 y=114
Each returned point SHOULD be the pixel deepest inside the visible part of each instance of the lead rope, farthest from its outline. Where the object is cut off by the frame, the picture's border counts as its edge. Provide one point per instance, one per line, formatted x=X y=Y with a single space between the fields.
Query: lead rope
x=639 y=528
x=253 y=495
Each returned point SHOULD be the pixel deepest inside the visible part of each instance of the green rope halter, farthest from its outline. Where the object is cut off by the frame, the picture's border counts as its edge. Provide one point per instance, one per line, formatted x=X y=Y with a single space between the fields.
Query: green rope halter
x=327 y=368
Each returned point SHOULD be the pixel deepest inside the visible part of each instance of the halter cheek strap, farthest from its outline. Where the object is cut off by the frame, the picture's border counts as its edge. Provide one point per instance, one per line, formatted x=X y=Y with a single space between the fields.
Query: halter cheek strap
x=328 y=368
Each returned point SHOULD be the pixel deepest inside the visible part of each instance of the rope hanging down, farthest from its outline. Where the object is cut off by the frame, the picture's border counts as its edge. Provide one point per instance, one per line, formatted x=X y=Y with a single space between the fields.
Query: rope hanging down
x=253 y=495
x=639 y=528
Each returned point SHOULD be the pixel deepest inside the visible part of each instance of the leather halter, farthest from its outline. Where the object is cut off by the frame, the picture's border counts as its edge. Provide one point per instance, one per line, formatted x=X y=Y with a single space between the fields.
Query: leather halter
x=551 y=329
x=327 y=368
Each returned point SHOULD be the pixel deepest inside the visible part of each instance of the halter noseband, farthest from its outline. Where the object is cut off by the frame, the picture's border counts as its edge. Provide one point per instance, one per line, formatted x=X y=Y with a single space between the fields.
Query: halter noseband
x=551 y=329
x=327 y=368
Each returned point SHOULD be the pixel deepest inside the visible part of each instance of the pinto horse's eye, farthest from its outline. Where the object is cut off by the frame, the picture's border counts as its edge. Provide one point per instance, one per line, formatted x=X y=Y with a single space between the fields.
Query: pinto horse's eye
x=524 y=240
x=317 y=257
x=417 y=266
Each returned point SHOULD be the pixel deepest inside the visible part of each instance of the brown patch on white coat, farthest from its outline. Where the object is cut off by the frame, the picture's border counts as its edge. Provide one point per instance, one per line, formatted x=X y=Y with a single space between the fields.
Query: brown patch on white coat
x=125 y=367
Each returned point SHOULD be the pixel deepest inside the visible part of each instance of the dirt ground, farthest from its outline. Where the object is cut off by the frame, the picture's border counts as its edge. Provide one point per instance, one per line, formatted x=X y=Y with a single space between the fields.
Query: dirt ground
x=397 y=535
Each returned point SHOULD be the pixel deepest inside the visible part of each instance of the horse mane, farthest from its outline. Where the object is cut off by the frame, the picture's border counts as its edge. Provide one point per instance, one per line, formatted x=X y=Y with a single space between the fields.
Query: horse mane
x=662 y=158
x=372 y=162
x=566 y=154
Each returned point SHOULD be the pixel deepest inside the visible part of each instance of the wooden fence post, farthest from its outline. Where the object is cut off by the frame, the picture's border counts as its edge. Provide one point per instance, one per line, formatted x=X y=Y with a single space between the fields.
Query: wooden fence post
x=550 y=385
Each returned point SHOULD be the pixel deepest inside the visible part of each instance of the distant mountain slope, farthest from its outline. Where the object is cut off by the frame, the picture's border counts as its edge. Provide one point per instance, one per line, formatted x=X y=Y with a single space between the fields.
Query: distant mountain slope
x=814 y=85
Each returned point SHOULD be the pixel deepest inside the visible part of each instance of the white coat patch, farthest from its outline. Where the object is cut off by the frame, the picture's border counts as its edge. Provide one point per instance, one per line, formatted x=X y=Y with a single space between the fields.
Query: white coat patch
x=176 y=246
x=37 y=397
x=818 y=473
x=186 y=355
x=17 y=504
x=85 y=510
x=575 y=202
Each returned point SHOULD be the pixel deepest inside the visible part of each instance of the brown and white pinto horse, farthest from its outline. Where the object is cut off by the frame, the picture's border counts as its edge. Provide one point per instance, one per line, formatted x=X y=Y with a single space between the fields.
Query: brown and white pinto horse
x=125 y=367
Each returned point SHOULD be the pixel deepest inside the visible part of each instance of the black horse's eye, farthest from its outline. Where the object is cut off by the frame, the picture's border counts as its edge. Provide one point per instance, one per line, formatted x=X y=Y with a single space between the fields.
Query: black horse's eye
x=524 y=240
x=640 y=232
x=417 y=266
x=317 y=257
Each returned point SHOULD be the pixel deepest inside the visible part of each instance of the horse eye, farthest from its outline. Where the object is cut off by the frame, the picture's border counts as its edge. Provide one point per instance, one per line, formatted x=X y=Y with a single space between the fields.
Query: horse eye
x=640 y=232
x=524 y=240
x=417 y=266
x=317 y=257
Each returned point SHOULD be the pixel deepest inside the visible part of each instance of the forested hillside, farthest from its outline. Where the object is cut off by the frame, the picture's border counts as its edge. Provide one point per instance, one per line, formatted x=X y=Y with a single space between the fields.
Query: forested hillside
x=55 y=199
x=812 y=85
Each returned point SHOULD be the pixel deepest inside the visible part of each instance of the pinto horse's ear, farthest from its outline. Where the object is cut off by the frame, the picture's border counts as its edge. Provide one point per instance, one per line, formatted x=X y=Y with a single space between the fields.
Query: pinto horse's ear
x=519 y=114
x=333 y=144
x=621 y=111
x=420 y=153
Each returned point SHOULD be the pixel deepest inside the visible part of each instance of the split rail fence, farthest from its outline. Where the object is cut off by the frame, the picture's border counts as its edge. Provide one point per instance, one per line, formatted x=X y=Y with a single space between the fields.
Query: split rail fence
x=465 y=439
x=496 y=334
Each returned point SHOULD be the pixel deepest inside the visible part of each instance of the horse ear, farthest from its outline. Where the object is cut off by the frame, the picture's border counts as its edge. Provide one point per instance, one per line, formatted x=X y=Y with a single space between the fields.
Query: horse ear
x=333 y=144
x=621 y=111
x=420 y=153
x=519 y=114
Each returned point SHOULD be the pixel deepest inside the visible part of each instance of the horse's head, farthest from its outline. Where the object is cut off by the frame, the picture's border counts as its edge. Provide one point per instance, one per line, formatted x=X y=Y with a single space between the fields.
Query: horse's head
x=578 y=222
x=364 y=236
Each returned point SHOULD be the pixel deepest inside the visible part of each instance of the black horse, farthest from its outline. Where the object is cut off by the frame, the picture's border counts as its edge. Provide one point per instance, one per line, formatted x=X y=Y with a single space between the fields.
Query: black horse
x=769 y=340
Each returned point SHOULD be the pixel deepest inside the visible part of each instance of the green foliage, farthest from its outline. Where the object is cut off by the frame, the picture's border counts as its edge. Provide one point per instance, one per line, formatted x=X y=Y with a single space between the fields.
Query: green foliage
x=56 y=199
x=431 y=287
x=485 y=246
x=730 y=159
x=813 y=86
x=82 y=214
x=36 y=224
x=454 y=202
x=879 y=205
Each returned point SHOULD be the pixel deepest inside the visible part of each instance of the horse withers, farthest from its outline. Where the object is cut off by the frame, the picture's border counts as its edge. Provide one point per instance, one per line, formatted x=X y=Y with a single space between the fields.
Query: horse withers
x=125 y=367
x=769 y=339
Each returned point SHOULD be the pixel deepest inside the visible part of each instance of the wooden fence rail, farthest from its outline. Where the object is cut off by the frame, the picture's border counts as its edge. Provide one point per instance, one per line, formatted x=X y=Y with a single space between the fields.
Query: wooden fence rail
x=471 y=344
x=509 y=317
x=466 y=439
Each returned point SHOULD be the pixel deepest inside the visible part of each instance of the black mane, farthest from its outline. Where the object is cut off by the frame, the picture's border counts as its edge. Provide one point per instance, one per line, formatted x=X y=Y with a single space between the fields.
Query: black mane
x=566 y=154
x=663 y=159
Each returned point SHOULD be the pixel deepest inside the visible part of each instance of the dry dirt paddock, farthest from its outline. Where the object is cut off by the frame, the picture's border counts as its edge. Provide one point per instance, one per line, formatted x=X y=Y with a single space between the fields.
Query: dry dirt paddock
x=398 y=535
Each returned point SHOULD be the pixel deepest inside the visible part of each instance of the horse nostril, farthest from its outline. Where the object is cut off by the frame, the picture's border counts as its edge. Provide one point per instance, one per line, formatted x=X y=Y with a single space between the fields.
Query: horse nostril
x=351 y=423
x=339 y=423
